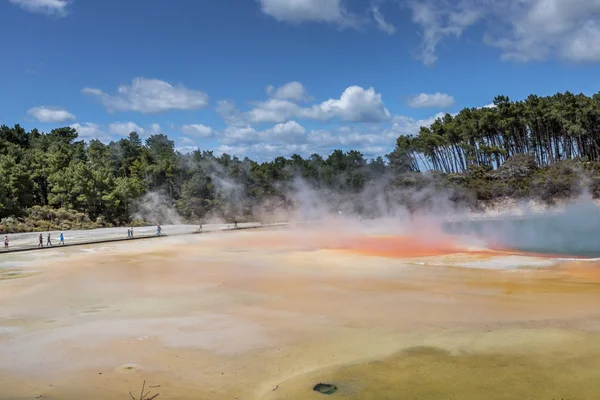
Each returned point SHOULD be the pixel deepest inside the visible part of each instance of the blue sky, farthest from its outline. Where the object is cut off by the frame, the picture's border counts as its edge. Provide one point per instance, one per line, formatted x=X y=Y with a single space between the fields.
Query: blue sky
x=263 y=78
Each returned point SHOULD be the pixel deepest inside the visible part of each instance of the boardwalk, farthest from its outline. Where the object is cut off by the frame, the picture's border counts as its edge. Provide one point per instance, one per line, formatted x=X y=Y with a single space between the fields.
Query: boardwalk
x=20 y=242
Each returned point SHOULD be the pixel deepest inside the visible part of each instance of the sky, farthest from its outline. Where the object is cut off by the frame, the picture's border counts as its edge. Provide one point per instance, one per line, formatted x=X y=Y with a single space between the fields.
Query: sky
x=268 y=78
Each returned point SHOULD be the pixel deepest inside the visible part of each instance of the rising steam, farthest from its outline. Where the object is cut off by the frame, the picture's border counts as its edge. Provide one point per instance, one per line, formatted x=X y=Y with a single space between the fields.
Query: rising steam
x=155 y=208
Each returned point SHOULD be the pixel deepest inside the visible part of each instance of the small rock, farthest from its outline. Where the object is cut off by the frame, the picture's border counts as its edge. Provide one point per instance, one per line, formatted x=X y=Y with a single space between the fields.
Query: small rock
x=325 y=388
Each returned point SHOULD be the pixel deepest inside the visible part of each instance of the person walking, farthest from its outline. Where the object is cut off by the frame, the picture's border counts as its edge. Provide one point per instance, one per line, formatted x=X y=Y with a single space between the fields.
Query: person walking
x=61 y=239
x=158 y=230
x=48 y=241
x=128 y=233
x=6 y=242
x=132 y=232
x=41 y=242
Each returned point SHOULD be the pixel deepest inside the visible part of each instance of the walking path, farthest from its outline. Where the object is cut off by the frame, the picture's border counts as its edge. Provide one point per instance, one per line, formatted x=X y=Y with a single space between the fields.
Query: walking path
x=28 y=241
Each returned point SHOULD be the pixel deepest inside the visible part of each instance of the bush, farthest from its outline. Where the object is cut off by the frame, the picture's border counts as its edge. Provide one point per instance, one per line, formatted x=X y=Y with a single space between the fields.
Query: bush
x=43 y=219
x=559 y=182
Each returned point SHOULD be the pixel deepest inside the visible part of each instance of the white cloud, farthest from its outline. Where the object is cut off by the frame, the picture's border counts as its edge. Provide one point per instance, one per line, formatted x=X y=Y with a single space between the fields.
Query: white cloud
x=437 y=100
x=50 y=114
x=403 y=125
x=50 y=7
x=298 y=11
x=293 y=91
x=197 y=130
x=125 y=128
x=262 y=152
x=354 y=105
x=187 y=141
x=150 y=96
x=541 y=29
x=272 y=110
x=89 y=131
x=524 y=30
x=230 y=113
x=381 y=23
x=288 y=138
x=288 y=132
x=439 y=19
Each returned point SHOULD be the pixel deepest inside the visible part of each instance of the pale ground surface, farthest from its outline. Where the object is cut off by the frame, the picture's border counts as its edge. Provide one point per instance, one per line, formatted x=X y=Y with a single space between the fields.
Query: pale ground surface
x=237 y=315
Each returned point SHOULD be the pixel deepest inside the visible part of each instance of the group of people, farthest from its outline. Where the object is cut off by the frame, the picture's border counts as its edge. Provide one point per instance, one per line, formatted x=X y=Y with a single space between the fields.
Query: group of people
x=130 y=232
x=61 y=240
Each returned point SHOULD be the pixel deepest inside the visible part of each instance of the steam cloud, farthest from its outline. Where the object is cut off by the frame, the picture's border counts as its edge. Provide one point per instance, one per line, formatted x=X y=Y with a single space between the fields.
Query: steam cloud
x=424 y=210
x=155 y=208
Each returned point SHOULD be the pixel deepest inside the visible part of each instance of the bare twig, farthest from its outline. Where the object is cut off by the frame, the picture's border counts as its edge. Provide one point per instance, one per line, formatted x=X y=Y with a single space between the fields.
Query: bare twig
x=144 y=396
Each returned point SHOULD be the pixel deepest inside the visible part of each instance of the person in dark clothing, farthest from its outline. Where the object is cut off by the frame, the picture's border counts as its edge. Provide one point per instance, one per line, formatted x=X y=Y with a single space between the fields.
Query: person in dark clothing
x=49 y=242
x=41 y=242
x=6 y=242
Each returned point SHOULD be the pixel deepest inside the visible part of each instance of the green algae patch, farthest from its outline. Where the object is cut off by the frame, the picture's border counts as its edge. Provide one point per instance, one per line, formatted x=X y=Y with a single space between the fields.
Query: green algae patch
x=430 y=373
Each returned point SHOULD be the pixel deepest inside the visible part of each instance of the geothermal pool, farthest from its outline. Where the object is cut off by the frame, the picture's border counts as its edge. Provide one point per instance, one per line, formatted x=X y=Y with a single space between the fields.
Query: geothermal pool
x=269 y=314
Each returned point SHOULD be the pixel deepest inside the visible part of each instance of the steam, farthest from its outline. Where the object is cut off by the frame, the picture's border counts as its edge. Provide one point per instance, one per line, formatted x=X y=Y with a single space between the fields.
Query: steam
x=155 y=208
x=415 y=205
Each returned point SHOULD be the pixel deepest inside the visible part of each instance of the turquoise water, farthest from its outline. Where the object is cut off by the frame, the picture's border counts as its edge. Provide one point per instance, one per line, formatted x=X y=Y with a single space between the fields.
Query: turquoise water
x=575 y=232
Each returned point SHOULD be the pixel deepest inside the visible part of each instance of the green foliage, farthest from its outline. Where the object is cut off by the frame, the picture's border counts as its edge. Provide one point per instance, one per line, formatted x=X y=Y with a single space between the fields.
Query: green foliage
x=38 y=218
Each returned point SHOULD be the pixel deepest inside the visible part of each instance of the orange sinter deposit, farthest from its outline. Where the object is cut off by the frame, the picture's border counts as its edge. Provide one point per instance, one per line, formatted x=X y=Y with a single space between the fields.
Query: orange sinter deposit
x=400 y=246
x=268 y=314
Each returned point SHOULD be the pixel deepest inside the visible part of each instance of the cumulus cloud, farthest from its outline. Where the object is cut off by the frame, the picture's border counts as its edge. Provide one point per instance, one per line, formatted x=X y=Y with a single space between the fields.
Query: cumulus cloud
x=49 y=7
x=299 y=11
x=540 y=29
x=524 y=30
x=50 y=114
x=288 y=132
x=403 y=125
x=150 y=96
x=293 y=91
x=272 y=111
x=290 y=137
x=356 y=104
x=197 y=130
x=89 y=131
x=125 y=128
x=263 y=152
x=381 y=23
x=437 y=100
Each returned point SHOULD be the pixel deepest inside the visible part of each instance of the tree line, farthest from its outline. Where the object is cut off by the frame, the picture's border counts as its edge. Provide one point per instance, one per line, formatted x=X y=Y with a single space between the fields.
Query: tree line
x=550 y=129
x=107 y=182
x=536 y=147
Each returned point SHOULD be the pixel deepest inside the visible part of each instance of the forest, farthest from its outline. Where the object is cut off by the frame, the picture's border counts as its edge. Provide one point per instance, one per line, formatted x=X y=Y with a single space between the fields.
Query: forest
x=547 y=148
